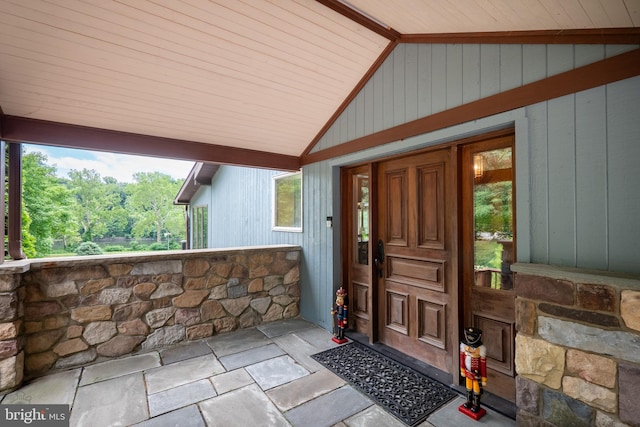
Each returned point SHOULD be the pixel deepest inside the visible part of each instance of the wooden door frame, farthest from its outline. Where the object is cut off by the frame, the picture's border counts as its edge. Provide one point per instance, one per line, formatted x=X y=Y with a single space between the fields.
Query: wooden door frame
x=457 y=259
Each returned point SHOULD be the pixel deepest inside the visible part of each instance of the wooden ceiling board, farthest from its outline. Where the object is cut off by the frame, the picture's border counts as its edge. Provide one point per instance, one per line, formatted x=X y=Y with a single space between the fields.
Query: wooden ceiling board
x=568 y=13
x=192 y=121
x=270 y=36
x=67 y=99
x=178 y=72
x=465 y=16
x=633 y=8
x=204 y=58
x=596 y=12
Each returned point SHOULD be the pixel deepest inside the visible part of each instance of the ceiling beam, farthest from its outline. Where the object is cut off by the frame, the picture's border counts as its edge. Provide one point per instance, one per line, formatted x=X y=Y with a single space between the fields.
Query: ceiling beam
x=27 y=130
x=619 y=67
x=580 y=36
x=362 y=19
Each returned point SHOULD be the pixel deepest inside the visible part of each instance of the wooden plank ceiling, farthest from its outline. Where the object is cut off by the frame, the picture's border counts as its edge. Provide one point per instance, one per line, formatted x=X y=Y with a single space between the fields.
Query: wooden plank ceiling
x=469 y=16
x=256 y=75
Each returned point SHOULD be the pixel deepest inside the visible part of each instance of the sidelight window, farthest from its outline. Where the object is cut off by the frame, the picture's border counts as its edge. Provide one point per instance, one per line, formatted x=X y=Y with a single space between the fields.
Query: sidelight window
x=493 y=218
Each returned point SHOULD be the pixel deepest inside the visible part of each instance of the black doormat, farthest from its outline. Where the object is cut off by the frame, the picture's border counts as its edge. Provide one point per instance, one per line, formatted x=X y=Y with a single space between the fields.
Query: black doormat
x=403 y=392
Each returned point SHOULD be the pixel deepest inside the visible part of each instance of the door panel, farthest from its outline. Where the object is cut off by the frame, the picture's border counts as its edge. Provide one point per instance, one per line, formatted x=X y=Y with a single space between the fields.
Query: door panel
x=423 y=274
x=360 y=300
x=432 y=325
x=412 y=217
x=398 y=312
x=431 y=206
x=396 y=202
x=497 y=336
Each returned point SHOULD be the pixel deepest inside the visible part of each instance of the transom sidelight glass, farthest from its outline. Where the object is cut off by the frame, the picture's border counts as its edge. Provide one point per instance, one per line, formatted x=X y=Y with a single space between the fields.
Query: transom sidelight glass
x=493 y=218
x=361 y=182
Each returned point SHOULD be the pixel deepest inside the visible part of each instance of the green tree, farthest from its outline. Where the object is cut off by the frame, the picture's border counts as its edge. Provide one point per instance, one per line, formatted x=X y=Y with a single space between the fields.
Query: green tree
x=151 y=201
x=97 y=204
x=119 y=222
x=492 y=208
x=47 y=206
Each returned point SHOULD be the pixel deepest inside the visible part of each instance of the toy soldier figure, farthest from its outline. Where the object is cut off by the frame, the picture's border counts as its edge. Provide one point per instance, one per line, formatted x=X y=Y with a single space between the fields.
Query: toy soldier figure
x=339 y=314
x=473 y=366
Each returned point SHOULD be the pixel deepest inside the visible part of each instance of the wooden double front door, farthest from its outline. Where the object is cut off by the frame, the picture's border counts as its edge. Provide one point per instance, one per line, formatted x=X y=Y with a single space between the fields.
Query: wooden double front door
x=405 y=278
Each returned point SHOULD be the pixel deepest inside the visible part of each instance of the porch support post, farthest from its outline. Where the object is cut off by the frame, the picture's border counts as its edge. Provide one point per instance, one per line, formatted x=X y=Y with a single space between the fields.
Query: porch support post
x=2 y=174
x=15 y=201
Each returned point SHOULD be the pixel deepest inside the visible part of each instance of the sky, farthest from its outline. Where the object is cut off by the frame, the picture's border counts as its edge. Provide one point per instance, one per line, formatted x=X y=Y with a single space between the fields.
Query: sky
x=119 y=166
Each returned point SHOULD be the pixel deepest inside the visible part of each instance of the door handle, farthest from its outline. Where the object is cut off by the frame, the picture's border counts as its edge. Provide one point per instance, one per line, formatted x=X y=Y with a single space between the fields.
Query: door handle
x=379 y=259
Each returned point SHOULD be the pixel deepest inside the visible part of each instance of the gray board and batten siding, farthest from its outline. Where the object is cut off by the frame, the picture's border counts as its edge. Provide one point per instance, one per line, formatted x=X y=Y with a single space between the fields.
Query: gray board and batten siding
x=576 y=160
x=576 y=156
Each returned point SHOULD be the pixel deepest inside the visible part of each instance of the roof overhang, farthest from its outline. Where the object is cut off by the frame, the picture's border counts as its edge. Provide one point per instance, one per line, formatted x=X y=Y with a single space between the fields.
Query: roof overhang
x=200 y=174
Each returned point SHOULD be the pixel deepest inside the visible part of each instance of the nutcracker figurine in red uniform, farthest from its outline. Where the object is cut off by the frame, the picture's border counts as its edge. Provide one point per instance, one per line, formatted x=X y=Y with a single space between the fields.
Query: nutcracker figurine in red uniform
x=339 y=314
x=473 y=367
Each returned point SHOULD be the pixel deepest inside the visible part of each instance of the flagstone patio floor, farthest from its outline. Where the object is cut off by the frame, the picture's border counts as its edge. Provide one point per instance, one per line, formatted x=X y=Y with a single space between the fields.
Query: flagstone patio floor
x=261 y=376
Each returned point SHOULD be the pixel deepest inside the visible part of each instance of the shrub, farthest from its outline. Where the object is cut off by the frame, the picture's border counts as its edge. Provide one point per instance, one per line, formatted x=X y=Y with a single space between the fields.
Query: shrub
x=114 y=248
x=138 y=247
x=88 y=248
x=158 y=246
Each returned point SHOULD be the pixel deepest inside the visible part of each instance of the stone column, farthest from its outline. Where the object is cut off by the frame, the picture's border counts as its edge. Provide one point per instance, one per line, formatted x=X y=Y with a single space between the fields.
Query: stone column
x=11 y=339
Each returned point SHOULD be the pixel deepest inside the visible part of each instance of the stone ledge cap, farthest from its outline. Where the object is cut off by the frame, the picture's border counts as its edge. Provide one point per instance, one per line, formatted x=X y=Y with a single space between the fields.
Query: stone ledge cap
x=24 y=265
x=579 y=275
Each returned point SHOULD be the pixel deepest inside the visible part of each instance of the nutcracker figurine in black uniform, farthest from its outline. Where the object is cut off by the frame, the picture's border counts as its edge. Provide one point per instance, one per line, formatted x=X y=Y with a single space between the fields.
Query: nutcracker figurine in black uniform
x=473 y=367
x=339 y=314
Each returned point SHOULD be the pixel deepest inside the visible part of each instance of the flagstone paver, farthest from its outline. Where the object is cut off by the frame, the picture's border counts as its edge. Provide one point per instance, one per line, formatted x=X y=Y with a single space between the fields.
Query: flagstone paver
x=185 y=417
x=302 y=390
x=317 y=337
x=329 y=409
x=184 y=352
x=233 y=380
x=275 y=329
x=449 y=415
x=177 y=374
x=249 y=357
x=119 y=367
x=374 y=416
x=274 y=372
x=300 y=350
x=247 y=406
x=114 y=402
x=235 y=342
x=53 y=389
x=181 y=396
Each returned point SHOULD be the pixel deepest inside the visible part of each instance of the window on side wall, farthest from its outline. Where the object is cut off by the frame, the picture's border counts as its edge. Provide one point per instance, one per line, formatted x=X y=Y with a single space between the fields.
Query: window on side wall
x=199 y=227
x=287 y=202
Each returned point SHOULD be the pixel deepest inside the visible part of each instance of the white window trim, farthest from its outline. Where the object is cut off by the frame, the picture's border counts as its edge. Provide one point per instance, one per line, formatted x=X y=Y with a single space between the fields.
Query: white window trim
x=274 y=179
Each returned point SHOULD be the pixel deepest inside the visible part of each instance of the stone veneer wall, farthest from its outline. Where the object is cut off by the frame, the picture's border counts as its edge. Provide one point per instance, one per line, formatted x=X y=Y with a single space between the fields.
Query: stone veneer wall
x=577 y=347
x=61 y=313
